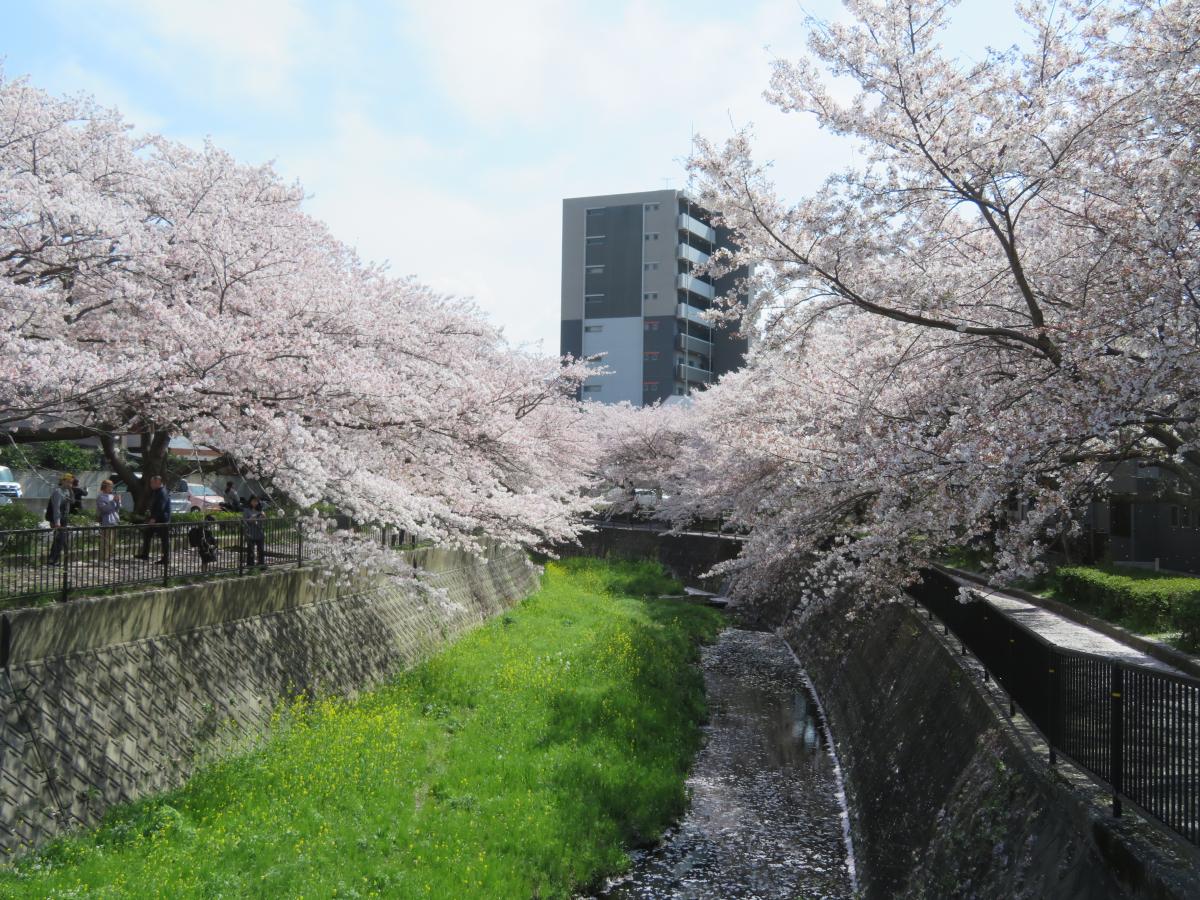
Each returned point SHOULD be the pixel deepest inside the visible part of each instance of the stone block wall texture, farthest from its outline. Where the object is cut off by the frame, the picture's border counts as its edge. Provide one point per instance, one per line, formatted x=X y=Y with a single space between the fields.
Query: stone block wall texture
x=109 y=699
x=946 y=797
x=686 y=556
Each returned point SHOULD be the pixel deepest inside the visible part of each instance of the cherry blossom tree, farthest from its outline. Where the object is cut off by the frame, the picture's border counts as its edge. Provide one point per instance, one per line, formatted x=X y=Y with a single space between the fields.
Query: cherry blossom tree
x=1000 y=300
x=151 y=288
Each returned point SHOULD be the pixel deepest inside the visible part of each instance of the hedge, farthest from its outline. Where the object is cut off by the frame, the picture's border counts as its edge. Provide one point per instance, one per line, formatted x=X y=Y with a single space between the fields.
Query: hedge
x=1145 y=601
x=14 y=516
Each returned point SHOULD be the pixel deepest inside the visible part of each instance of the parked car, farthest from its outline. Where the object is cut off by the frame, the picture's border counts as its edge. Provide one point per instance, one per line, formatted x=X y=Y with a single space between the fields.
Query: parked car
x=9 y=486
x=199 y=497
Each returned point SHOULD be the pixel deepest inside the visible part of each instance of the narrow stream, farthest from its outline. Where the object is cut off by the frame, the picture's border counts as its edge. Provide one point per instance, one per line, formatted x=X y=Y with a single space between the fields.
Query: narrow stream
x=764 y=819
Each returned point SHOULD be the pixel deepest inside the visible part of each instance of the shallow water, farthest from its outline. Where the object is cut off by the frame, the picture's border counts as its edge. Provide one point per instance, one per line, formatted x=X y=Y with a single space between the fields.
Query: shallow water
x=764 y=818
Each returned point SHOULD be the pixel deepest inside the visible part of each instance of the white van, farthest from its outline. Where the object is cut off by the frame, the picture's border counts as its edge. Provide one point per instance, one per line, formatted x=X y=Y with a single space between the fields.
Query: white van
x=8 y=485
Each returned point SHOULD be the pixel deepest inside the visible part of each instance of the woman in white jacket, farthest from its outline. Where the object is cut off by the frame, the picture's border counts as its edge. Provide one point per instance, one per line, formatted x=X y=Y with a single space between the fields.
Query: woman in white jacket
x=108 y=515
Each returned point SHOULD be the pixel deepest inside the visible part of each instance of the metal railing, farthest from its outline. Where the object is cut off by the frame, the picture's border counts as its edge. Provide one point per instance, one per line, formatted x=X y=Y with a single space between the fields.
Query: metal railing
x=1134 y=729
x=59 y=563
x=96 y=558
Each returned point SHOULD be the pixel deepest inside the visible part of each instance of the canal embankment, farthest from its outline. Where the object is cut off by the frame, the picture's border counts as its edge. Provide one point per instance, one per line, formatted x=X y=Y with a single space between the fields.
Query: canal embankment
x=948 y=797
x=521 y=760
x=105 y=700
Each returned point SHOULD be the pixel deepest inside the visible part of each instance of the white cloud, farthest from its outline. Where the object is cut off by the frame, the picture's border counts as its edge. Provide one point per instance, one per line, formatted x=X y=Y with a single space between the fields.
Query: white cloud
x=469 y=223
x=251 y=51
x=450 y=158
x=376 y=189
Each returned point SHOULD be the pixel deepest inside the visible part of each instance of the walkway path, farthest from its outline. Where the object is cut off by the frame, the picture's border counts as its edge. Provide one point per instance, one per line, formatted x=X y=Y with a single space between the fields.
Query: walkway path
x=1061 y=631
x=764 y=819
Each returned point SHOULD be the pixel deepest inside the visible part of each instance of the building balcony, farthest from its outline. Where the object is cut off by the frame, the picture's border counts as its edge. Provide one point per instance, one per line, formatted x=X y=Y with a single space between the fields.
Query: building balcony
x=692 y=374
x=691 y=254
x=691 y=283
x=689 y=344
x=692 y=314
x=698 y=228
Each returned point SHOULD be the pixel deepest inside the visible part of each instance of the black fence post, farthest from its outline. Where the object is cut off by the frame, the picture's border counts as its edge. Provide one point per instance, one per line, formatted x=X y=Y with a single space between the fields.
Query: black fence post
x=65 y=559
x=243 y=548
x=1117 y=735
x=299 y=544
x=1012 y=673
x=1053 y=728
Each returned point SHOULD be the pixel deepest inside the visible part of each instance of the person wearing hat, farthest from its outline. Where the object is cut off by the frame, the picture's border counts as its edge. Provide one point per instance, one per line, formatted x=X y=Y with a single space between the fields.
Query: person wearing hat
x=57 y=511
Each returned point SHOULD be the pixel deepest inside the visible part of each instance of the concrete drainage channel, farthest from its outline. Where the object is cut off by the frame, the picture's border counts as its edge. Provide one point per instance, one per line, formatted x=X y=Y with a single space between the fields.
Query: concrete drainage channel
x=764 y=819
x=942 y=797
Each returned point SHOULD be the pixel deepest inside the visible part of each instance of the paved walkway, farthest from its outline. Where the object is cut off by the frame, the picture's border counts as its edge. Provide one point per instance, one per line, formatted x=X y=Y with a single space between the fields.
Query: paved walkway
x=1060 y=630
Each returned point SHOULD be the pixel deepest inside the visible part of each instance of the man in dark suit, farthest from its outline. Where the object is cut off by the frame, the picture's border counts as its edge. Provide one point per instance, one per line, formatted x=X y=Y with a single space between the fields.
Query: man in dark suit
x=57 y=511
x=158 y=522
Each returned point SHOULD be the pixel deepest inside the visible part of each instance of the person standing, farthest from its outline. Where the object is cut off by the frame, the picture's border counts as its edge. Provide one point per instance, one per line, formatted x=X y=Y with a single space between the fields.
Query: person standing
x=77 y=495
x=108 y=516
x=253 y=516
x=232 y=502
x=159 y=521
x=57 y=512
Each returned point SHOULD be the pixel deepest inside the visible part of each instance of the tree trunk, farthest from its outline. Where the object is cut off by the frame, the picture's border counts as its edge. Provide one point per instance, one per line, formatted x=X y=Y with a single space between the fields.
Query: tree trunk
x=154 y=455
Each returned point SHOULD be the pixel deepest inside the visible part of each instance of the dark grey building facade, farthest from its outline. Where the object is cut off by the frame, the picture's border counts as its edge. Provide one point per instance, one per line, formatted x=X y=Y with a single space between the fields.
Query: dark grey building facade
x=1149 y=518
x=631 y=290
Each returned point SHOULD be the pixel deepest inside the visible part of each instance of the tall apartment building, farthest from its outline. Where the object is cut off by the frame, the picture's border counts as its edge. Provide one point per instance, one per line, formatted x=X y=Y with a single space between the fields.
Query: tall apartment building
x=630 y=290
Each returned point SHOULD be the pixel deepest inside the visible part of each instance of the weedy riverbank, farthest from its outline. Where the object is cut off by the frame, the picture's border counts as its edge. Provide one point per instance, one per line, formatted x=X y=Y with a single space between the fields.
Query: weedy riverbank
x=519 y=762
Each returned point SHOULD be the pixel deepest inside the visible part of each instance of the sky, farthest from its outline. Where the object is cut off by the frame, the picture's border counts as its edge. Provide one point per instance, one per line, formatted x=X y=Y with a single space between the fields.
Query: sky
x=441 y=136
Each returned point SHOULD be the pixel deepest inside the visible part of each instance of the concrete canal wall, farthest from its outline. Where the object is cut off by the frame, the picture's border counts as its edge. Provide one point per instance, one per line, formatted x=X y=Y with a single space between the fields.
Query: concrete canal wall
x=949 y=798
x=686 y=556
x=106 y=700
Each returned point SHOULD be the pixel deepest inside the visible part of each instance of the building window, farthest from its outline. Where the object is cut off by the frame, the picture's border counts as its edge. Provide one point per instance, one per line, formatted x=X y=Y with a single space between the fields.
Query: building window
x=650 y=355
x=649 y=385
x=593 y=270
x=650 y=325
x=652 y=295
x=651 y=235
x=594 y=240
x=650 y=267
x=1185 y=517
x=678 y=390
x=1174 y=516
x=593 y=328
x=591 y=388
x=651 y=206
x=596 y=211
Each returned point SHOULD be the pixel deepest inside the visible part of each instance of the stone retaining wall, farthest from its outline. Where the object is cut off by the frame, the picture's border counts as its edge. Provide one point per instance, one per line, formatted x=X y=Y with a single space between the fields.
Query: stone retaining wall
x=106 y=700
x=948 y=797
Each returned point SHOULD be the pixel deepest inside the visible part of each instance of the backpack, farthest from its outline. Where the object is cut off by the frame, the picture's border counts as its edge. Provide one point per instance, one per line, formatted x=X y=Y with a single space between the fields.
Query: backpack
x=195 y=536
x=50 y=510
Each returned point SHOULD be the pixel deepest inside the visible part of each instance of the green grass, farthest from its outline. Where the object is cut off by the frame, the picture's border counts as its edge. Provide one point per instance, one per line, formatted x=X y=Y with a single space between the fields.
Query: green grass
x=519 y=762
x=1155 y=604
